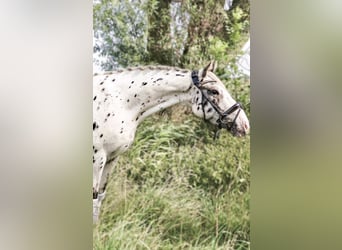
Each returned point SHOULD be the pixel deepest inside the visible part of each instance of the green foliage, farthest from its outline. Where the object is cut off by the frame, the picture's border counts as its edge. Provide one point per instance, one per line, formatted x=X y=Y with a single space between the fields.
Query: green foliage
x=171 y=216
x=159 y=32
x=120 y=29
x=133 y=32
x=148 y=162
x=218 y=49
x=236 y=26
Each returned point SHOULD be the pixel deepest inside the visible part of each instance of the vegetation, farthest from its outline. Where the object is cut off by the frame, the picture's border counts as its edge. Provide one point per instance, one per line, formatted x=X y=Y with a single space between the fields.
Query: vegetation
x=177 y=188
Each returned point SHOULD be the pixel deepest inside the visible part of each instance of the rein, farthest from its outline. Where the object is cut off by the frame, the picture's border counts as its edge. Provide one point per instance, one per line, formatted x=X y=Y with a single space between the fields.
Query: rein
x=222 y=115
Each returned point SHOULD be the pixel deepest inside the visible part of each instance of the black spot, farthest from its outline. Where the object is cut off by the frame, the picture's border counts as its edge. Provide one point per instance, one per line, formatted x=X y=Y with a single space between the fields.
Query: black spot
x=95 y=151
x=103 y=89
x=198 y=107
x=129 y=87
x=121 y=132
x=101 y=83
x=209 y=110
x=105 y=100
x=143 y=104
x=167 y=73
x=101 y=135
x=197 y=92
x=196 y=99
x=93 y=161
x=179 y=75
x=142 y=113
x=108 y=114
x=113 y=80
x=105 y=120
x=94 y=98
x=122 y=121
x=144 y=83
x=137 y=118
x=132 y=82
x=135 y=95
x=94 y=125
x=159 y=79
x=127 y=100
x=126 y=146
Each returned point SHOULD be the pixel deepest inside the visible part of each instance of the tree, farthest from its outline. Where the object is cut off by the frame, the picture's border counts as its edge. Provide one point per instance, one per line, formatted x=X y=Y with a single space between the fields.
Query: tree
x=159 y=32
x=132 y=32
x=120 y=32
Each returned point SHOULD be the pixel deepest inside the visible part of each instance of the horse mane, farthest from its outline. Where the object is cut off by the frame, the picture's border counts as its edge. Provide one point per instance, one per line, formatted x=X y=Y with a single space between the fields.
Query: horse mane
x=144 y=68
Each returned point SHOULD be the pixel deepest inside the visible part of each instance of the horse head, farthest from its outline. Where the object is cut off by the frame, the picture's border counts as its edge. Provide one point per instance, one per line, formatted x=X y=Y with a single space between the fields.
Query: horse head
x=213 y=103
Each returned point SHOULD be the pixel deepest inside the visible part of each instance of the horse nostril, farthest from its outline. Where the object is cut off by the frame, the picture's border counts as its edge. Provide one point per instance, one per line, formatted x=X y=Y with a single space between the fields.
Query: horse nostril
x=246 y=127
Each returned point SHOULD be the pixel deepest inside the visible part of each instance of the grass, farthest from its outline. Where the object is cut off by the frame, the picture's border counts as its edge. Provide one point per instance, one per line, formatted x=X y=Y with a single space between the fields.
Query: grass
x=177 y=188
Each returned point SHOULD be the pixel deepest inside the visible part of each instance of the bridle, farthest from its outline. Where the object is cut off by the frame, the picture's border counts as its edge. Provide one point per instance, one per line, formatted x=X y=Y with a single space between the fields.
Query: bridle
x=222 y=115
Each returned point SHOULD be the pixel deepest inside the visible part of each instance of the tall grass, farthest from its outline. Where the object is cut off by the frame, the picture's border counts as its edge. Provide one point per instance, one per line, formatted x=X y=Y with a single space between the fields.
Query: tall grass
x=178 y=188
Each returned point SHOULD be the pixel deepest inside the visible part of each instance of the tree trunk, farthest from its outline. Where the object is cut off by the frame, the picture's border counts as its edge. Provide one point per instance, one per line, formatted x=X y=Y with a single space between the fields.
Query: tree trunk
x=159 y=42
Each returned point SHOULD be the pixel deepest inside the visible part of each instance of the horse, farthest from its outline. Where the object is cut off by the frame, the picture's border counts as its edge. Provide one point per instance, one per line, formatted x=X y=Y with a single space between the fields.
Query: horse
x=122 y=99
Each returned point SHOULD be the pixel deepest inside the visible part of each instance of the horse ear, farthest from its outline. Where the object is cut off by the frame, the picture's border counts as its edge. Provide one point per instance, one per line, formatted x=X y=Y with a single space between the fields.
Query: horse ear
x=210 y=67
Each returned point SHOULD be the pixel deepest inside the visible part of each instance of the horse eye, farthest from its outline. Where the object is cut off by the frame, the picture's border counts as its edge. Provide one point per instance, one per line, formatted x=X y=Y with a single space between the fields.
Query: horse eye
x=213 y=92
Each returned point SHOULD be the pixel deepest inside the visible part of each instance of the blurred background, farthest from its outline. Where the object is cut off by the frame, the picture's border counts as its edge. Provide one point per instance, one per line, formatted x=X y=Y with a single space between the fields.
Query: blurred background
x=296 y=121
x=46 y=137
x=45 y=96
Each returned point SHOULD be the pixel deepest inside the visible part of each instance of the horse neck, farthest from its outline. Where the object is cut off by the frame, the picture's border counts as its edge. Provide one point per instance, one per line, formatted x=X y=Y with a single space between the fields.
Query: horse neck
x=154 y=90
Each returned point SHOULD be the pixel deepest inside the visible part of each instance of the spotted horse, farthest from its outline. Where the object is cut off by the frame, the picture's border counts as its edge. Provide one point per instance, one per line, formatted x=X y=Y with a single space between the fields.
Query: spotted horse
x=124 y=98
